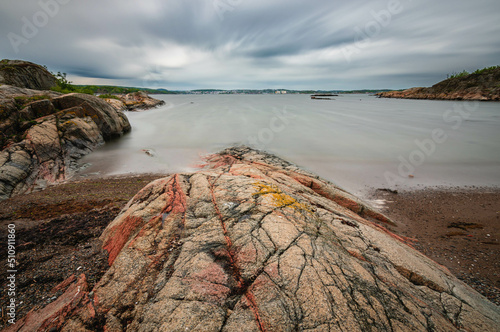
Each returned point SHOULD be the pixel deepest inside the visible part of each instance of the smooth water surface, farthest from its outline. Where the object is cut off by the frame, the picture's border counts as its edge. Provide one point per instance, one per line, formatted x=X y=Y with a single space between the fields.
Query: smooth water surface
x=356 y=141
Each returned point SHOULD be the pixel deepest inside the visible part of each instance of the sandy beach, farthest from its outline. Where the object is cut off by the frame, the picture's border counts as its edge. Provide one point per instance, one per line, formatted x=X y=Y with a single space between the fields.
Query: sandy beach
x=458 y=228
x=58 y=229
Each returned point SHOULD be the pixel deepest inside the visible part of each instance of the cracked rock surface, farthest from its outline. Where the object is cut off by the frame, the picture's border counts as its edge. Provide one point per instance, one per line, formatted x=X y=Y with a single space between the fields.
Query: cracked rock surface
x=253 y=243
x=43 y=134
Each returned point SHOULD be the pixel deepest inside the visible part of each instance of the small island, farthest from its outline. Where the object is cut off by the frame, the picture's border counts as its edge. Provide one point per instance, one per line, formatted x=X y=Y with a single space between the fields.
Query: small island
x=483 y=84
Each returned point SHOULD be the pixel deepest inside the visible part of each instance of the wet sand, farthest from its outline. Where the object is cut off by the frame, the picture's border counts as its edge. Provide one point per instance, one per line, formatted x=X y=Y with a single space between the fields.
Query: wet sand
x=58 y=231
x=456 y=227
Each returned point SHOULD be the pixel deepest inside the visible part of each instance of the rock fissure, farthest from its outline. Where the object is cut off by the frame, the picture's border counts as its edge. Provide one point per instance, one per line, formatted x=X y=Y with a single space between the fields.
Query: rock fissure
x=243 y=287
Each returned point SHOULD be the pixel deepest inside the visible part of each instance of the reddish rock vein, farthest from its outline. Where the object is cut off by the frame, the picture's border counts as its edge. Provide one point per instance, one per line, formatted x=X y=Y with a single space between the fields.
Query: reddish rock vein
x=234 y=265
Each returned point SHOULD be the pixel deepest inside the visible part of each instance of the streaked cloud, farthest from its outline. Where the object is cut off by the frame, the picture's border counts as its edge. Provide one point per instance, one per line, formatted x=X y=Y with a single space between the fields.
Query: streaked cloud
x=320 y=44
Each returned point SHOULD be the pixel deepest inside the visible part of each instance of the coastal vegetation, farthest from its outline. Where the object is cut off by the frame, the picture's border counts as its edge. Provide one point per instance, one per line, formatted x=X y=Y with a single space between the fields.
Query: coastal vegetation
x=21 y=101
x=107 y=95
x=477 y=72
x=66 y=86
x=482 y=84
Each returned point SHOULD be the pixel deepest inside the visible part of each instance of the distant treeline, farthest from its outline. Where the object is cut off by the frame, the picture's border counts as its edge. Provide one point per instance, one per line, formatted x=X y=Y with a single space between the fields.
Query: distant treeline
x=109 y=89
x=271 y=91
x=66 y=86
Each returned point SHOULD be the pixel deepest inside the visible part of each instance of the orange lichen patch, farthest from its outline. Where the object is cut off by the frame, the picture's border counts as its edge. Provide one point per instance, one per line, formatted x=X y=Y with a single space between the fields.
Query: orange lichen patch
x=279 y=198
x=119 y=235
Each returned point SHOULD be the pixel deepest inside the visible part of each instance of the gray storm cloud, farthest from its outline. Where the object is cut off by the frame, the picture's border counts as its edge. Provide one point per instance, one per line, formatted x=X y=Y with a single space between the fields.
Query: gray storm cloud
x=253 y=44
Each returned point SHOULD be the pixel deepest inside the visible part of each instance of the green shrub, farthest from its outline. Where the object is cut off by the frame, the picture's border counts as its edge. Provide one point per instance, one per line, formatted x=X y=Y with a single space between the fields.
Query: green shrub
x=487 y=69
x=462 y=74
x=21 y=101
x=65 y=86
x=478 y=71
x=109 y=96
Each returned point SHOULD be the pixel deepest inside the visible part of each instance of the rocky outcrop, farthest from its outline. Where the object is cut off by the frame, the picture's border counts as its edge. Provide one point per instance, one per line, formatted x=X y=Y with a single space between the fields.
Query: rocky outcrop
x=429 y=93
x=15 y=114
x=137 y=101
x=26 y=74
x=117 y=104
x=44 y=134
x=253 y=243
x=482 y=86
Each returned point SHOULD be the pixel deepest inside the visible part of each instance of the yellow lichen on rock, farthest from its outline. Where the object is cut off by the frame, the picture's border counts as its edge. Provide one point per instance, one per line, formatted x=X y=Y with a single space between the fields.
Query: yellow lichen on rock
x=279 y=198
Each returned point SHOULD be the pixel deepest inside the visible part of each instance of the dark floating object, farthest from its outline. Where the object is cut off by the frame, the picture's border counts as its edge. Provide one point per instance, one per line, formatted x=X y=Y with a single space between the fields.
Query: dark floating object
x=323 y=96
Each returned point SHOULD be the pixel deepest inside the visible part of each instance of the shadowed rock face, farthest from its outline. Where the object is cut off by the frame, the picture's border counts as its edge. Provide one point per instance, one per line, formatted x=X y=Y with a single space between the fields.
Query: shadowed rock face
x=26 y=74
x=253 y=243
x=43 y=138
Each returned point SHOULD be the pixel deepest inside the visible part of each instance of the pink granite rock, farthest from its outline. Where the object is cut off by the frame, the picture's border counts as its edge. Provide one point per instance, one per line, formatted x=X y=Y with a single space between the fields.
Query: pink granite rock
x=254 y=243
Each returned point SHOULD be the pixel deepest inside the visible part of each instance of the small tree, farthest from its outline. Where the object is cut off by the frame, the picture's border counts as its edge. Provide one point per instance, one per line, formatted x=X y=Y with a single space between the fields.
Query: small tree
x=63 y=82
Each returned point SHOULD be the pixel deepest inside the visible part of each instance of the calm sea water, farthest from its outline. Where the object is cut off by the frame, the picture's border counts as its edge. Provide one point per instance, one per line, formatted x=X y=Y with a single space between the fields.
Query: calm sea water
x=356 y=141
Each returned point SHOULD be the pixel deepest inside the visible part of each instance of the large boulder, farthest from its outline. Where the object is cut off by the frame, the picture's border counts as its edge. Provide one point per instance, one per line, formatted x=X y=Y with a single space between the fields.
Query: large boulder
x=26 y=74
x=45 y=134
x=110 y=122
x=253 y=243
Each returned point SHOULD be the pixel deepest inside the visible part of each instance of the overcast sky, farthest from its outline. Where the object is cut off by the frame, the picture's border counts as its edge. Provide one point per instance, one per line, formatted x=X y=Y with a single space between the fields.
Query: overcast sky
x=226 y=44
